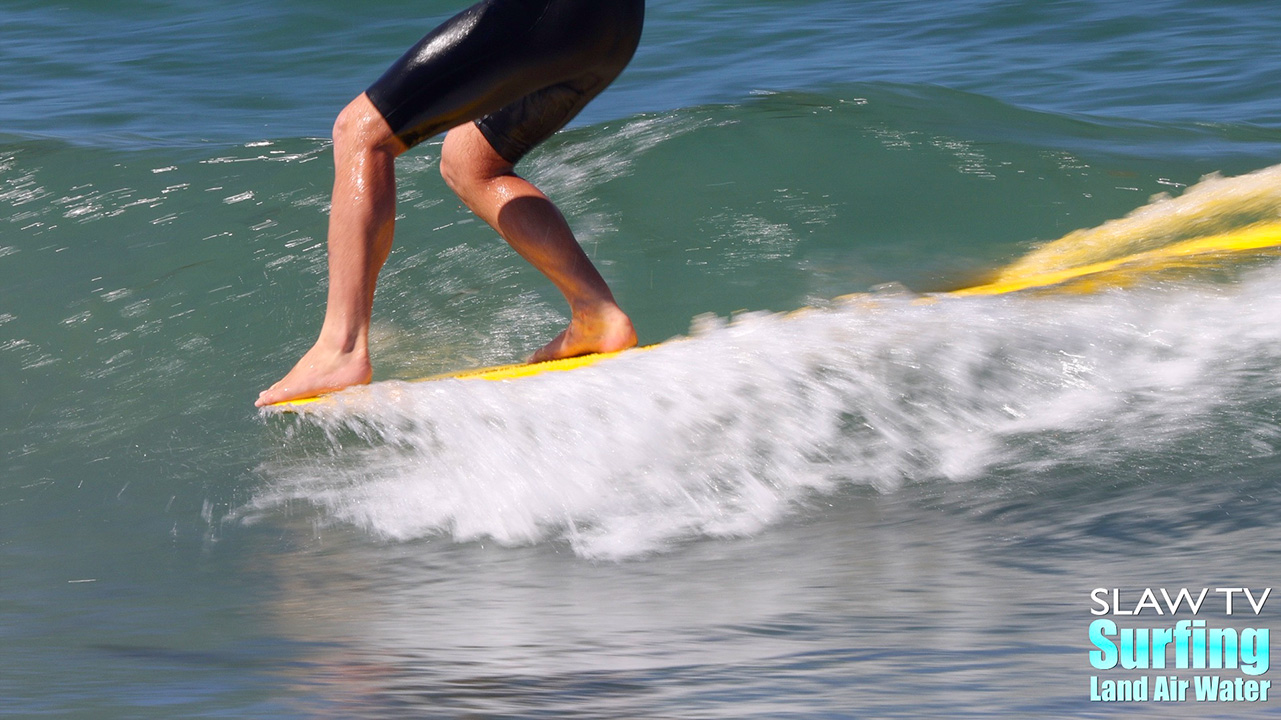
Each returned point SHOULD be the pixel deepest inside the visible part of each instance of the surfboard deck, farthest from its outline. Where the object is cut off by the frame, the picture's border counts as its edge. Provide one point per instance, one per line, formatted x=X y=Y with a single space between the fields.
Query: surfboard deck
x=1262 y=237
x=495 y=373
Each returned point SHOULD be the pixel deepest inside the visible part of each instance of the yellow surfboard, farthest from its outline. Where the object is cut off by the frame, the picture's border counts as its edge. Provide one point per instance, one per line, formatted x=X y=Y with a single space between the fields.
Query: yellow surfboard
x=1259 y=238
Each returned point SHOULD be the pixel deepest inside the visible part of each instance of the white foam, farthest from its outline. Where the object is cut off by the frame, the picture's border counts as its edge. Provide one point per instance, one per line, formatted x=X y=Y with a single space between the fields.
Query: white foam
x=745 y=423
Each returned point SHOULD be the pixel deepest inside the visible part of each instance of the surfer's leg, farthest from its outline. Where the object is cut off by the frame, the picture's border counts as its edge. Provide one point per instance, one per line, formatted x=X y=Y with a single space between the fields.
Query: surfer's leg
x=532 y=225
x=573 y=51
x=361 y=220
x=524 y=68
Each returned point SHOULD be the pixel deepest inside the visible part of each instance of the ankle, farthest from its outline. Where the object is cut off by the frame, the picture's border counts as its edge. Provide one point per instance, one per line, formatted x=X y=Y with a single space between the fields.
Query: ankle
x=593 y=309
x=342 y=341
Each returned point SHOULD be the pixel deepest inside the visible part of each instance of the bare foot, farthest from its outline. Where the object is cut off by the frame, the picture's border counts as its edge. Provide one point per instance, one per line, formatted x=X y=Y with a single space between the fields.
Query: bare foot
x=319 y=371
x=607 y=329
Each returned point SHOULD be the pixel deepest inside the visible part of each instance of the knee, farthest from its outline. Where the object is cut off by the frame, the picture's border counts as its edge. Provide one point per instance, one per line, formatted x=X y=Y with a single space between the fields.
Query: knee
x=468 y=163
x=360 y=127
x=456 y=167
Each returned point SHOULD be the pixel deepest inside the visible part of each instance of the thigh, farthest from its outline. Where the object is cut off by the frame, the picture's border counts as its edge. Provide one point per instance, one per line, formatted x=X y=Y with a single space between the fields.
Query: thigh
x=448 y=77
x=525 y=66
x=583 y=45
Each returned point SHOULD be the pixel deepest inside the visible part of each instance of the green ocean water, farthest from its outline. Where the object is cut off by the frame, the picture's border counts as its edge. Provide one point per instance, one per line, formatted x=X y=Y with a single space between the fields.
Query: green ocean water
x=885 y=508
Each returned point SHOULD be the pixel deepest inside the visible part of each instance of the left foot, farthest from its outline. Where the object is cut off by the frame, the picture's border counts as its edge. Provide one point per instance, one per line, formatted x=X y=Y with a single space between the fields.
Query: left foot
x=607 y=329
x=320 y=371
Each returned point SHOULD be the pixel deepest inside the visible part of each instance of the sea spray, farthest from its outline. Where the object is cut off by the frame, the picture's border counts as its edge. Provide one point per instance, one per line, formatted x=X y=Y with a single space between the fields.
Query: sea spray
x=747 y=422
x=1216 y=205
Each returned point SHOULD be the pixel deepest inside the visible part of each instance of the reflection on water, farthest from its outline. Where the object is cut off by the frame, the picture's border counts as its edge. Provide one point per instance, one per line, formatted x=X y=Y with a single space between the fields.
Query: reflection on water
x=968 y=599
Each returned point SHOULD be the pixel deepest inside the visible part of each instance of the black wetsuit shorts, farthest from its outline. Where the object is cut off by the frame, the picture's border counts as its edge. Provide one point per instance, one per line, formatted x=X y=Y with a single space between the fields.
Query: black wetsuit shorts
x=521 y=69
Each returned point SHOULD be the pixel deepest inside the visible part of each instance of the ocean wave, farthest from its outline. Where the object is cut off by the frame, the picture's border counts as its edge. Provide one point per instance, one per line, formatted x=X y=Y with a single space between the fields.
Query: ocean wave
x=748 y=422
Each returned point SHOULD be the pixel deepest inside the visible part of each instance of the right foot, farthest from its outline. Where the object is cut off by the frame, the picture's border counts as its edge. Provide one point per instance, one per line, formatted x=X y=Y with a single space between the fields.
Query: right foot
x=318 y=372
x=605 y=330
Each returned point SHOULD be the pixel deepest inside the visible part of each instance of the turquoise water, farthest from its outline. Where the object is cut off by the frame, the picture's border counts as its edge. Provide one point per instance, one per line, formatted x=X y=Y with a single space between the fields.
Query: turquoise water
x=885 y=508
